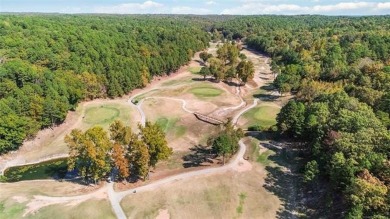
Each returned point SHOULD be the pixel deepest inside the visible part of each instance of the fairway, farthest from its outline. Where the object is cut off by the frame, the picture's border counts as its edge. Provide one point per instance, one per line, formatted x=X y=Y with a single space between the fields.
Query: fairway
x=264 y=116
x=101 y=115
x=204 y=92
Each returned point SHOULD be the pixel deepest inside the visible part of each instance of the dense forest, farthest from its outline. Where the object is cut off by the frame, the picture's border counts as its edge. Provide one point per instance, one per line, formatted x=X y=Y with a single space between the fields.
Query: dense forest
x=48 y=63
x=339 y=70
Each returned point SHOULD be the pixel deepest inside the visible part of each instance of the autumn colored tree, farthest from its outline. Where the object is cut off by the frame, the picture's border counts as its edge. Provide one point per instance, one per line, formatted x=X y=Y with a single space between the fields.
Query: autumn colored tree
x=120 y=160
x=120 y=133
x=140 y=158
x=89 y=152
x=154 y=137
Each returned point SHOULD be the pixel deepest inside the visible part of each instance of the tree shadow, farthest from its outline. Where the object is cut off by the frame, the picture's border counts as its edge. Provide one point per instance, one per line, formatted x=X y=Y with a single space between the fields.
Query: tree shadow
x=231 y=83
x=200 y=156
x=268 y=87
x=266 y=78
x=201 y=63
x=207 y=79
x=285 y=179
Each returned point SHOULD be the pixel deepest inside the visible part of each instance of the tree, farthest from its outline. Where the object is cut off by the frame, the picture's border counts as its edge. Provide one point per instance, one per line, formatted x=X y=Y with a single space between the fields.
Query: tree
x=311 y=171
x=140 y=157
x=120 y=133
x=226 y=142
x=145 y=76
x=368 y=193
x=205 y=56
x=13 y=130
x=89 y=152
x=291 y=118
x=120 y=161
x=217 y=68
x=154 y=137
x=205 y=71
x=222 y=145
x=245 y=71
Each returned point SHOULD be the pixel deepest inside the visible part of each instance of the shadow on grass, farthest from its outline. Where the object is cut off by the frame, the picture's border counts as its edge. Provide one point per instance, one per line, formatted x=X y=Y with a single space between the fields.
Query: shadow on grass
x=284 y=176
x=284 y=180
x=199 y=156
x=201 y=63
x=207 y=79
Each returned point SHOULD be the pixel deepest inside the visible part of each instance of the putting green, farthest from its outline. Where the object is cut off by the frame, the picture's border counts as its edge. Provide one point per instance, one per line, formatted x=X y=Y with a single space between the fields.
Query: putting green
x=101 y=115
x=206 y=91
x=264 y=116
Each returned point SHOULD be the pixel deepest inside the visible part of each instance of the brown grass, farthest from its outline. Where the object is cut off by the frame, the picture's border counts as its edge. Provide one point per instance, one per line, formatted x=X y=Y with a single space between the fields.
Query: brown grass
x=209 y=197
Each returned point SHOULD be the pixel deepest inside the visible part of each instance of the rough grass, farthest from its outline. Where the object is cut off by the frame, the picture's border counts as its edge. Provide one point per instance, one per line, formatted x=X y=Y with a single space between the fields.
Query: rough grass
x=177 y=82
x=10 y=208
x=217 y=196
x=87 y=209
x=142 y=96
x=263 y=158
x=264 y=116
x=204 y=92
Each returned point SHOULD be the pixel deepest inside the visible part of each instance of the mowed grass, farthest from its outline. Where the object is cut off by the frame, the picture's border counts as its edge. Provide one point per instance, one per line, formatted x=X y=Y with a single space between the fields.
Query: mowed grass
x=106 y=113
x=206 y=91
x=264 y=116
x=101 y=115
x=169 y=126
x=217 y=196
x=195 y=70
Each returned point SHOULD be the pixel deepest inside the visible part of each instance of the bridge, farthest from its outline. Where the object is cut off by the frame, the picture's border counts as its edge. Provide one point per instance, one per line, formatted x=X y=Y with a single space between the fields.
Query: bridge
x=208 y=119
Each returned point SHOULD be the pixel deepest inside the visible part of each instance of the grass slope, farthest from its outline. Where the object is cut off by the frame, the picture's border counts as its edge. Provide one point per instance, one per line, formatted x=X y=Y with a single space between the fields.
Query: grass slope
x=264 y=116
x=169 y=125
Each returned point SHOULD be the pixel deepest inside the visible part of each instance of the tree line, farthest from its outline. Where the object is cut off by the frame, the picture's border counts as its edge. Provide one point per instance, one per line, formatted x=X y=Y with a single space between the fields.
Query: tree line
x=339 y=70
x=95 y=153
x=49 y=63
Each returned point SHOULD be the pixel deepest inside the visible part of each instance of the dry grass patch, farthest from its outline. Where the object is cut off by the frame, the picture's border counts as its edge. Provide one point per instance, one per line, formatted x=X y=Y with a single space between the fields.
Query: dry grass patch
x=88 y=209
x=15 y=196
x=218 y=196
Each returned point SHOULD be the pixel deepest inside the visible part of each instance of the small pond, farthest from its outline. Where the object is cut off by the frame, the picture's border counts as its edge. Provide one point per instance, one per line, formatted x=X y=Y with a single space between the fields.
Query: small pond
x=56 y=168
